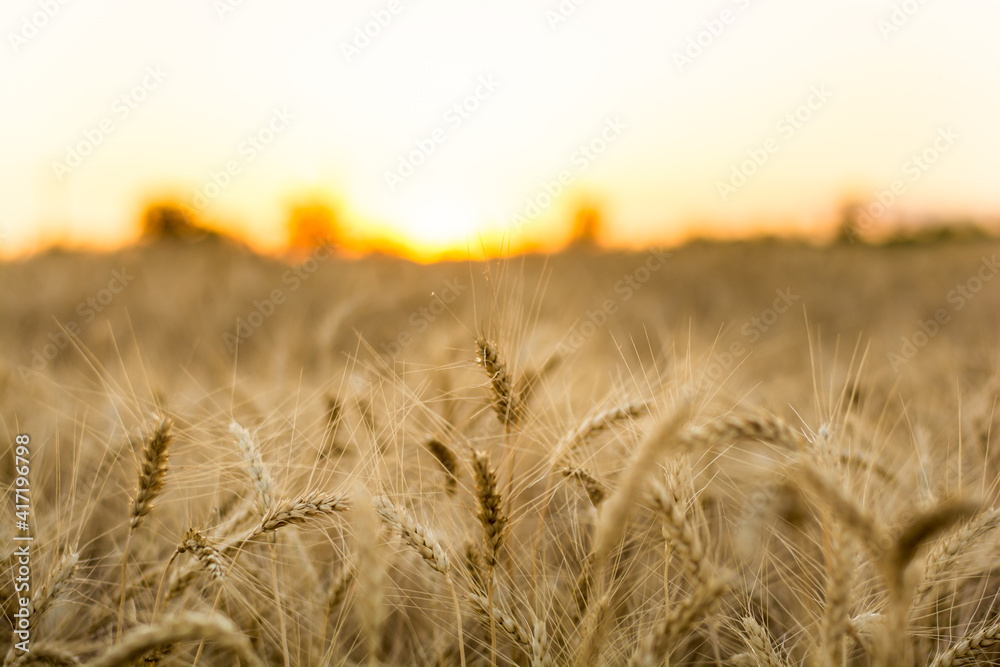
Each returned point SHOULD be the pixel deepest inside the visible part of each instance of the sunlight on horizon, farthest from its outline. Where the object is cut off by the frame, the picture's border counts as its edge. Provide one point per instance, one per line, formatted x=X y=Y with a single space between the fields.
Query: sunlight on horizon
x=455 y=122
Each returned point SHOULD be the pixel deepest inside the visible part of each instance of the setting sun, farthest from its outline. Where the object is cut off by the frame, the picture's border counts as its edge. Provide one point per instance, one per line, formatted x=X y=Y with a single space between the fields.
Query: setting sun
x=431 y=223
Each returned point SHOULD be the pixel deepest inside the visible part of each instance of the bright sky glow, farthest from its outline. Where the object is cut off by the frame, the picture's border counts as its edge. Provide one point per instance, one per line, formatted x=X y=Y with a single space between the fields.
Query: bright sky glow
x=477 y=109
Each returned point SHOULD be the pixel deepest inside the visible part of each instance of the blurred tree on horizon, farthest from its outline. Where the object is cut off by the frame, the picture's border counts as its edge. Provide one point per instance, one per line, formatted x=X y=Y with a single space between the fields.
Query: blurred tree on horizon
x=588 y=221
x=312 y=223
x=168 y=220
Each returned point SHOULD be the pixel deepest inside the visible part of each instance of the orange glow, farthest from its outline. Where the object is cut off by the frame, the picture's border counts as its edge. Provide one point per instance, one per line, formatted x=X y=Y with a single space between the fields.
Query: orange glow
x=643 y=109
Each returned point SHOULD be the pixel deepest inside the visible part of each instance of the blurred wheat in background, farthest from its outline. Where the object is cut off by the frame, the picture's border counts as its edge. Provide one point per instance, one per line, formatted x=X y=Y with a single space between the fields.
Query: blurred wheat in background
x=701 y=479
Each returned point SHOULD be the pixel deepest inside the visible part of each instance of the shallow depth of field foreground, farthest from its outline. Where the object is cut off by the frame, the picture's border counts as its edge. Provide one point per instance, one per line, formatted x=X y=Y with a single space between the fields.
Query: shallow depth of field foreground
x=732 y=454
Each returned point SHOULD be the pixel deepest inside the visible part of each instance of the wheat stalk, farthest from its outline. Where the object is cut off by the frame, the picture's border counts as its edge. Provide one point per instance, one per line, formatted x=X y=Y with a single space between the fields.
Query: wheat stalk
x=593 y=635
x=678 y=622
x=616 y=508
x=370 y=569
x=919 y=531
x=850 y=514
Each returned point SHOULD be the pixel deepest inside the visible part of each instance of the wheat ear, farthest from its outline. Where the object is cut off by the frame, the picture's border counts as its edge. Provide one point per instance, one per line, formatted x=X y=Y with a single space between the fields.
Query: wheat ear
x=597 y=423
x=763 y=427
x=616 y=508
x=152 y=476
x=836 y=611
x=966 y=650
x=596 y=490
x=202 y=549
x=671 y=502
x=760 y=644
x=297 y=511
x=919 y=531
x=46 y=654
x=492 y=515
x=339 y=585
x=494 y=522
x=952 y=546
x=448 y=460
x=534 y=643
x=263 y=483
x=55 y=584
x=189 y=627
x=505 y=398
x=422 y=540
x=207 y=555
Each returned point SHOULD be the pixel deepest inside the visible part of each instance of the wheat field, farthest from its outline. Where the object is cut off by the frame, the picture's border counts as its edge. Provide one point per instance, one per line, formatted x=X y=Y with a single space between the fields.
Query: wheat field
x=720 y=454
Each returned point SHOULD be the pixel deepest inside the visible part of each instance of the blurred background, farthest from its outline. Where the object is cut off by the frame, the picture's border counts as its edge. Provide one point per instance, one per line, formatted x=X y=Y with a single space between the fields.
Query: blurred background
x=432 y=129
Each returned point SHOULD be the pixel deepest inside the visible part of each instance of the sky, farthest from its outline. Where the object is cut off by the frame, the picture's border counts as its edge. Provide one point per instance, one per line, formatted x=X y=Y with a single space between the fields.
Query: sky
x=437 y=124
